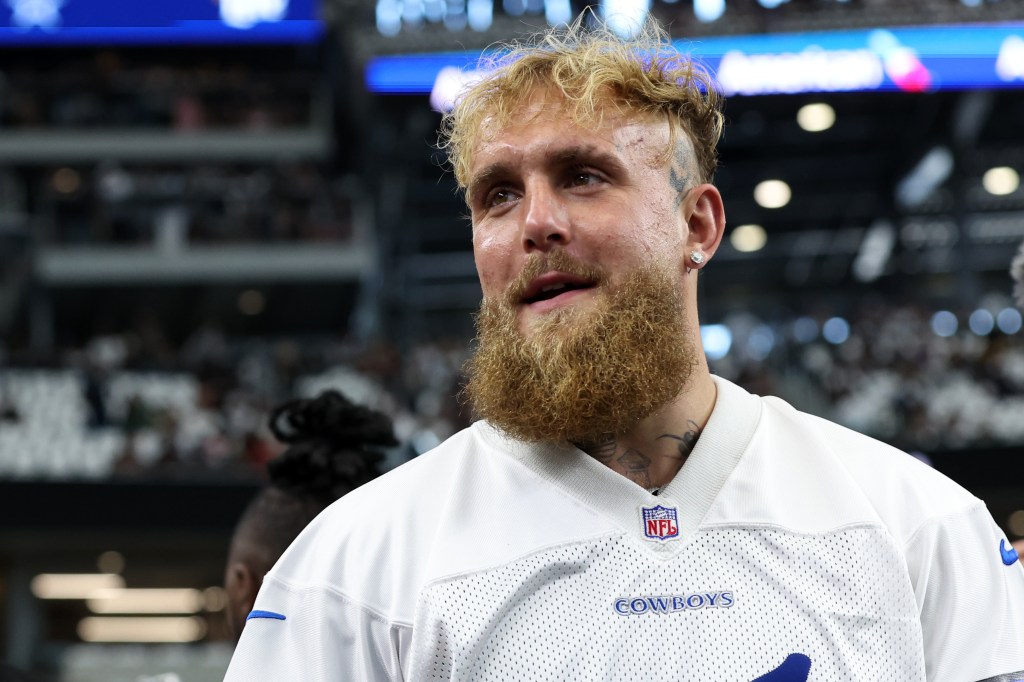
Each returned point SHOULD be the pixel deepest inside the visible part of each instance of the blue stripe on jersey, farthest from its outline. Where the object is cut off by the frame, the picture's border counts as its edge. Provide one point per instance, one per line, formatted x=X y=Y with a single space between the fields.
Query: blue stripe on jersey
x=795 y=668
x=1008 y=677
x=265 y=614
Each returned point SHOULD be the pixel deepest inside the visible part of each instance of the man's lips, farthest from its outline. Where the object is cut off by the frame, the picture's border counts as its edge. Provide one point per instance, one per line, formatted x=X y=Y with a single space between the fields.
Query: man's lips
x=552 y=285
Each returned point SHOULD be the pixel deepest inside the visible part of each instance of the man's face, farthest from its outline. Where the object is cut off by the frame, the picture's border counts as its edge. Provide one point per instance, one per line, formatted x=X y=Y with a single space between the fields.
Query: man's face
x=608 y=197
x=579 y=238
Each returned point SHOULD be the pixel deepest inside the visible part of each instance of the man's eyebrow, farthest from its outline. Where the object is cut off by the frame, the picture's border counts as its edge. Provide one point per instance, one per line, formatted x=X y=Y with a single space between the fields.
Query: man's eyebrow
x=587 y=154
x=486 y=176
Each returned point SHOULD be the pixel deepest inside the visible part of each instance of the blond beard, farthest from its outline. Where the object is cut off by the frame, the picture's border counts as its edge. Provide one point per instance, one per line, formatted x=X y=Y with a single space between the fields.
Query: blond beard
x=582 y=373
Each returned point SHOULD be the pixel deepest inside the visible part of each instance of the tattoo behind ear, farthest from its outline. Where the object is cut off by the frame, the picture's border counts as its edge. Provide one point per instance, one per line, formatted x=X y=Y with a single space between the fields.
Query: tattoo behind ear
x=679 y=172
x=678 y=182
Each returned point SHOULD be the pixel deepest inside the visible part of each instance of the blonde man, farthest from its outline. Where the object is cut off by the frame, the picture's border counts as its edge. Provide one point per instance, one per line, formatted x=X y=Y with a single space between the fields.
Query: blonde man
x=619 y=513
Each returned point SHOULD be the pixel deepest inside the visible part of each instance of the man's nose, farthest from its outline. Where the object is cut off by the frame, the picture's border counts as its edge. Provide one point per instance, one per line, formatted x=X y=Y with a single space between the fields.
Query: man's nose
x=546 y=220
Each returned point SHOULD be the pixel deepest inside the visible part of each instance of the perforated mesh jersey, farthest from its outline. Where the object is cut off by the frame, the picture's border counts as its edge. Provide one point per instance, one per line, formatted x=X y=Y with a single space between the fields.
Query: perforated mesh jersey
x=787 y=548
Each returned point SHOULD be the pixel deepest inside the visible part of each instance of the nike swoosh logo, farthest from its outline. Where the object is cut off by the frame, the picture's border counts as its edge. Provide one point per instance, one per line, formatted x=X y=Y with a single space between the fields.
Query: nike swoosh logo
x=795 y=668
x=1009 y=554
x=265 y=614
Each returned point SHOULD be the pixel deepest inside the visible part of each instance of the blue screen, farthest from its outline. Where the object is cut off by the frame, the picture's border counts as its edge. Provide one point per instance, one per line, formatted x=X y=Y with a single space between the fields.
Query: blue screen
x=144 y=22
x=920 y=59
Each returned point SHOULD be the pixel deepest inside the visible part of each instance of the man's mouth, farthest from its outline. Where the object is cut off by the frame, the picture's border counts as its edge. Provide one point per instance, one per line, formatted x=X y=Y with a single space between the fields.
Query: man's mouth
x=552 y=285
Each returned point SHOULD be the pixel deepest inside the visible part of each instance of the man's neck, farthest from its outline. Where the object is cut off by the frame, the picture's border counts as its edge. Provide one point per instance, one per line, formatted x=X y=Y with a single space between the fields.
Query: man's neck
x=652 y=454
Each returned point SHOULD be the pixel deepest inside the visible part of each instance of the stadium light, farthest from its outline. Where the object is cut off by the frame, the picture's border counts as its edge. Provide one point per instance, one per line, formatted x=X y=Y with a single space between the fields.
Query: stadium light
x=142 y=629
x=389 y=17
x=1009 y=320
x=748 y=238
x=944 y=323
x=1001 y=180
x=982 y=322
x=480 y=14
x=708 y=10
x=73 y=585
x=931 y=171
x=154 y=600
x=836 y=330
x=716 y=339
x=625 y=17
x=816 y=117
x=558 y=12
x=875 y=251
x=772 y=194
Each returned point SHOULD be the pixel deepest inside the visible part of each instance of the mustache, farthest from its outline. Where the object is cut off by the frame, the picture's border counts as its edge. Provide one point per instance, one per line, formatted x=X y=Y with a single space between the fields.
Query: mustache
x=539 y=263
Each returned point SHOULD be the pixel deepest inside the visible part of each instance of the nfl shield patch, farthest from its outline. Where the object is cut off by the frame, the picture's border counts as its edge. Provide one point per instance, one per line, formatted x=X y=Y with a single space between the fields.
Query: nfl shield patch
x=660 y=523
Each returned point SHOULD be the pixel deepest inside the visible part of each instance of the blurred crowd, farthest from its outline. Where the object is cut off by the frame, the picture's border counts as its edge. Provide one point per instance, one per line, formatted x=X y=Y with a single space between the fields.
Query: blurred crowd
x=892 y=372
x=169 y=206
x=89 y=89
x=236 y=99
x=920 y=379
x=141 y=408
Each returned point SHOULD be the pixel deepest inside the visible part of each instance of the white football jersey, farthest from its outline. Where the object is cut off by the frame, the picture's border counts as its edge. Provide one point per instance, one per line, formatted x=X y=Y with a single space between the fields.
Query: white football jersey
x=786 y=549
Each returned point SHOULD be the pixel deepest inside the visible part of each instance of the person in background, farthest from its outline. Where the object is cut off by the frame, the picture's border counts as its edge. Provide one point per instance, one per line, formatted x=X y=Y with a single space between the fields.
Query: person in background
x=620 y=513
x=333 y=448
x=1017 y=273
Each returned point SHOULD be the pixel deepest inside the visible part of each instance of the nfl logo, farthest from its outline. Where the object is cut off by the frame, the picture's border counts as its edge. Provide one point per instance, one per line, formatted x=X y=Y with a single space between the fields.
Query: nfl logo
x=660 y=523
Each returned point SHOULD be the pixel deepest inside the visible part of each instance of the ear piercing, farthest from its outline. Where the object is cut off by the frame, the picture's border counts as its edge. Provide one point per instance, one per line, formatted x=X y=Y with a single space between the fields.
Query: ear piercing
x=697 y=257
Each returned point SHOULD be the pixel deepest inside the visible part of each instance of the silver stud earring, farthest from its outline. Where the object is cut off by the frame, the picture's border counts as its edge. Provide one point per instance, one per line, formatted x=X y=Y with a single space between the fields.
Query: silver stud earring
x=697 y=257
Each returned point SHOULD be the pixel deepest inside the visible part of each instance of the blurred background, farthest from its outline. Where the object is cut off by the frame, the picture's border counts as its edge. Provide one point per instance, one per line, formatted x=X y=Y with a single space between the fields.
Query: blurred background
x=207 y=208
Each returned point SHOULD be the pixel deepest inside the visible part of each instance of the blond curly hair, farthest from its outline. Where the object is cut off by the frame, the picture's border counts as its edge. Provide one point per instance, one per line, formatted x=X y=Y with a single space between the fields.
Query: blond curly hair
x=593 y=70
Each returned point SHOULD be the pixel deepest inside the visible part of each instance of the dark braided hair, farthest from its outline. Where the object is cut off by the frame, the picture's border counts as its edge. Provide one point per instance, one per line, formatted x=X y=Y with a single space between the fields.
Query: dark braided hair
x=331 y=443
x=333 y=447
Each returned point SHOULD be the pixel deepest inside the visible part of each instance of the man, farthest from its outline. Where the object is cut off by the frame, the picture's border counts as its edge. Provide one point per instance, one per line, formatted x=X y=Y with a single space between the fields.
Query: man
x=619 y=513
x=333 y=448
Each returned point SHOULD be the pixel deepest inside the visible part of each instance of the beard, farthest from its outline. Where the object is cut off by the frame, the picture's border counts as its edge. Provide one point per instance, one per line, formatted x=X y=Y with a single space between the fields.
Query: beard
x=581 y=374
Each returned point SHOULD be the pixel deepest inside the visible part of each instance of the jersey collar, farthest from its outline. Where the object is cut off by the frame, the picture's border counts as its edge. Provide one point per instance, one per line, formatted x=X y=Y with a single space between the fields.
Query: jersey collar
x=718 y=451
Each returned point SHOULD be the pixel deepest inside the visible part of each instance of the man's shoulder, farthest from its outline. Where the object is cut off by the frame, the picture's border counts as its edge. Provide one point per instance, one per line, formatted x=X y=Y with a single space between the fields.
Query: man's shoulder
x=458 y=508
x=901 y=490
x=810 y=475
x=382 y=528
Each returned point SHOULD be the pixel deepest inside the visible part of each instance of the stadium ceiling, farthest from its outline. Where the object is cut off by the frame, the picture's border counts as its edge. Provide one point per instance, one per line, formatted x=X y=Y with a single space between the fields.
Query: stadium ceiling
x=404 y=26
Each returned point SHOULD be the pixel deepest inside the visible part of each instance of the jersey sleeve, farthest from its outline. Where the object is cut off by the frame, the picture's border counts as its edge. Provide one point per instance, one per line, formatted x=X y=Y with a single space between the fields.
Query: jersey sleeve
x=969 y=587
x=313 y=634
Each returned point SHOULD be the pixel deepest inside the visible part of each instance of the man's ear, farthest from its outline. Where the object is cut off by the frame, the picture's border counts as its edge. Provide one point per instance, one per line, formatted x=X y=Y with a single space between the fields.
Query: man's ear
x=706 y=220
x=241 y=585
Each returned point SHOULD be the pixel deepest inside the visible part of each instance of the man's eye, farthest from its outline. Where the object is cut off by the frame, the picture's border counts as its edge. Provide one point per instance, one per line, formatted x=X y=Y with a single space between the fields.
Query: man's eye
x=499 y=197
x=582 y=179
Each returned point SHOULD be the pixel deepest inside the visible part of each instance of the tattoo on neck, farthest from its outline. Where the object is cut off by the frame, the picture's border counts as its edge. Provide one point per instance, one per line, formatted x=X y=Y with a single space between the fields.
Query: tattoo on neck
x=603 y=449
x=636 y=465
x=687 y=441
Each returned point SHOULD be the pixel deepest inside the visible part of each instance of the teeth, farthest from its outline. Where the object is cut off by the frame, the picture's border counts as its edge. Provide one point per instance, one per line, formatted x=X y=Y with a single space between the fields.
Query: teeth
x=552 y=287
